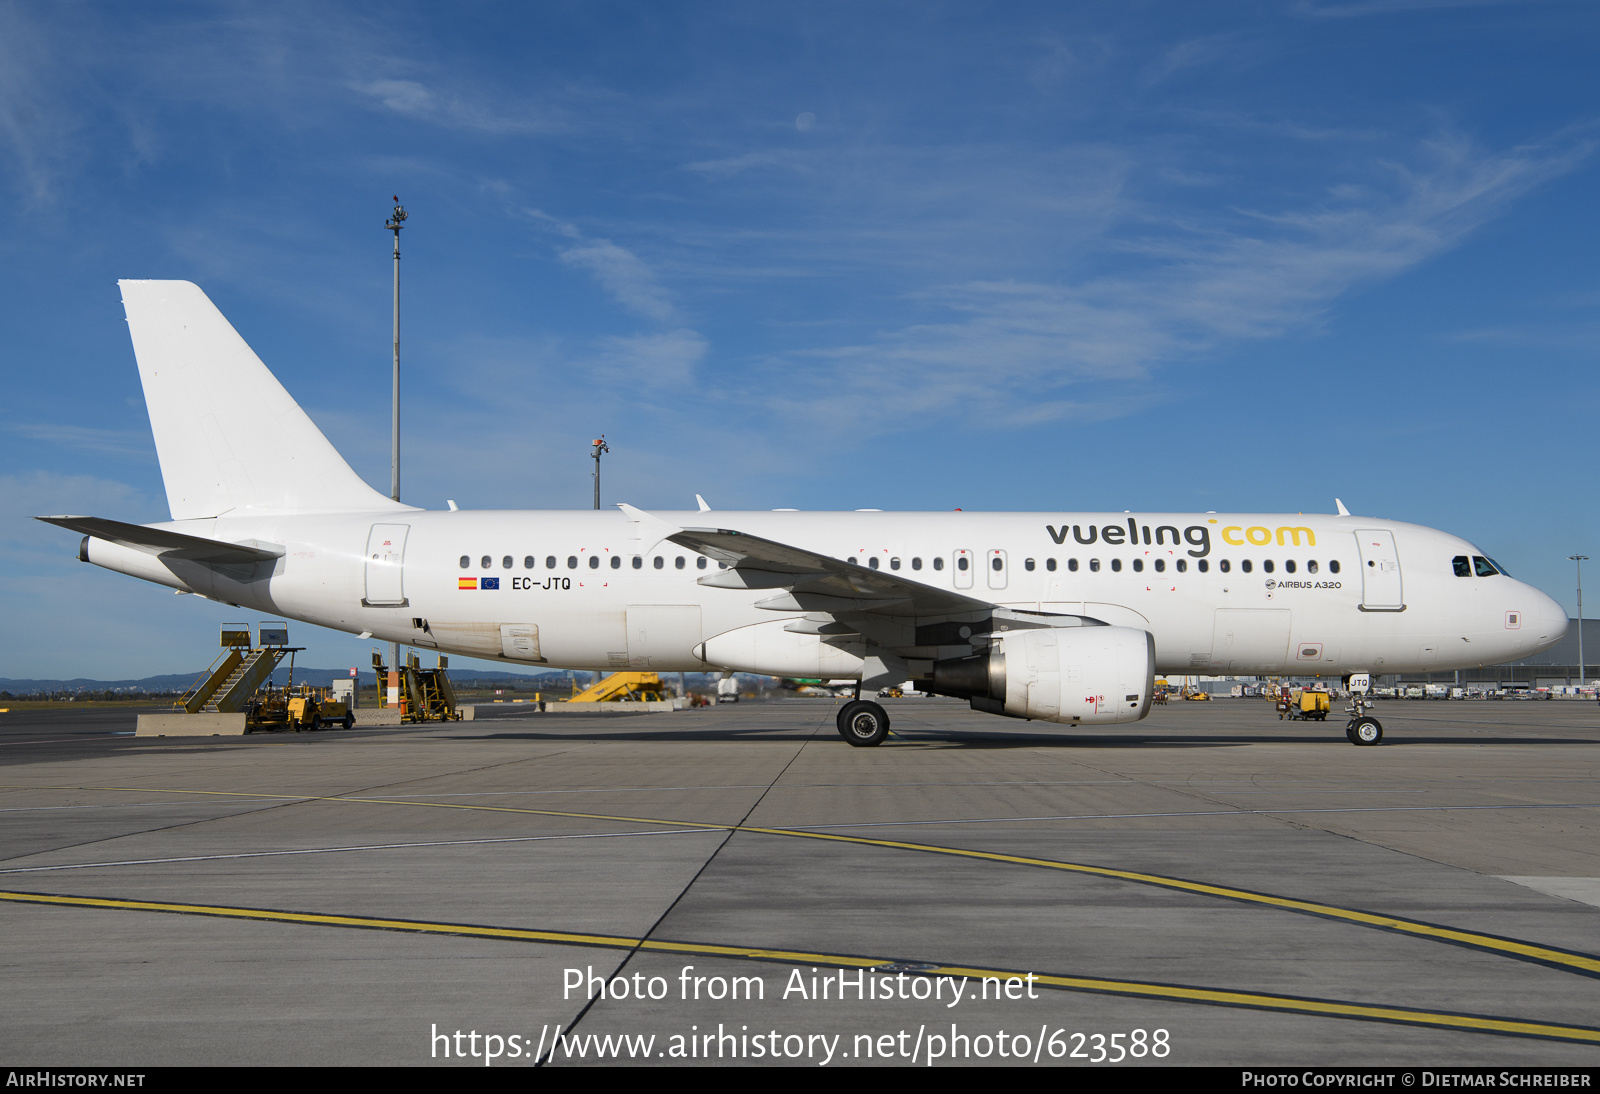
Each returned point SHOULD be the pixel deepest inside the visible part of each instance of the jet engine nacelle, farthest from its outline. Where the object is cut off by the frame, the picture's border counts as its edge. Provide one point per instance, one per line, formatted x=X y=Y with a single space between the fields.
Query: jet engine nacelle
x=1077 y=675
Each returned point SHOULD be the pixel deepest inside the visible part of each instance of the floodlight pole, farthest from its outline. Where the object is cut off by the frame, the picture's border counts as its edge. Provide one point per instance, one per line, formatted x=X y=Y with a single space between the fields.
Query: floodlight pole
x=394 y=224
x=599 y=447
x=1579 y=560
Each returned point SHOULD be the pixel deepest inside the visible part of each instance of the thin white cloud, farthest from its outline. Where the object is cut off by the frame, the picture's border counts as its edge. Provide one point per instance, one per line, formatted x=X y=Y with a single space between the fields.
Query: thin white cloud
x=35 y=129
x=123 y=443
x=622 y=274
x=456 y=110
x=1358 y=8
x=1008 y=352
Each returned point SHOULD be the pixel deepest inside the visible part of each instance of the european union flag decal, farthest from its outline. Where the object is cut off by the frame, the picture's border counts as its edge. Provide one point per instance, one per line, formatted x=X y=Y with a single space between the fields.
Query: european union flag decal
x=488 y=583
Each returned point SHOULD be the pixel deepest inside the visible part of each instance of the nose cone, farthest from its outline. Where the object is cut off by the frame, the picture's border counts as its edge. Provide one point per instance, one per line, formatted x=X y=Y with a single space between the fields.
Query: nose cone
x=1543 y=620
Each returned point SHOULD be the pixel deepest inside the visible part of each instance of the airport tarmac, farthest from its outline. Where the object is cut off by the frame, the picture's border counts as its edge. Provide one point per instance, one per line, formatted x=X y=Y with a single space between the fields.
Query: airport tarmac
x=1209 y=886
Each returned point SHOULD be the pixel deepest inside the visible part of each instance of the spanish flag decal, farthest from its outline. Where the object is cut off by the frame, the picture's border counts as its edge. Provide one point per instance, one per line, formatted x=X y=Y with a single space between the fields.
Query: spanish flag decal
x=466 y=583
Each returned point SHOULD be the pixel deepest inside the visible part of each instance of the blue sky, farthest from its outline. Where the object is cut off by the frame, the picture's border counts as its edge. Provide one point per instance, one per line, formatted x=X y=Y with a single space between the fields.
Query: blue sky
x=1158 y=256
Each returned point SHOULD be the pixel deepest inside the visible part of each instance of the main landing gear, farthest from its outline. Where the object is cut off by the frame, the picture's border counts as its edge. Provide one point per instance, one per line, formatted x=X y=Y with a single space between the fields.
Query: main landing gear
x=862 y=723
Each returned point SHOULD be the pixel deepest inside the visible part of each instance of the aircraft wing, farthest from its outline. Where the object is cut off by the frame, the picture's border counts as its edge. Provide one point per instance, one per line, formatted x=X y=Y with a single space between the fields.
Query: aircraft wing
x=898 y=612
x=806 y=581
x=167 y=544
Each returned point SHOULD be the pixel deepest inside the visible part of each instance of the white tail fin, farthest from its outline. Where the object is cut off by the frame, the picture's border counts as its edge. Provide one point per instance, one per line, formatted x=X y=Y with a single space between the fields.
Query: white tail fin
x=228 y=435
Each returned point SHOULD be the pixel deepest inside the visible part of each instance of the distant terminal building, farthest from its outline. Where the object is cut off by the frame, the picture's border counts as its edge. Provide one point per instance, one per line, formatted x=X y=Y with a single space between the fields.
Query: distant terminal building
x=1556 y=667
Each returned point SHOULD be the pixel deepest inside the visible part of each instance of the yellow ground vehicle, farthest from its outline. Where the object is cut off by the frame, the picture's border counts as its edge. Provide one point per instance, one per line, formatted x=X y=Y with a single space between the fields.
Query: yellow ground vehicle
x=301 y=709
x=1304 y=705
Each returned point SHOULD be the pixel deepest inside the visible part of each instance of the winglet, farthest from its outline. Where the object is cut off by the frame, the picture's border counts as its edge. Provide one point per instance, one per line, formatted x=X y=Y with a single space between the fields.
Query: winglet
x=648 y=527
x=704 y=508
x=1343 y=512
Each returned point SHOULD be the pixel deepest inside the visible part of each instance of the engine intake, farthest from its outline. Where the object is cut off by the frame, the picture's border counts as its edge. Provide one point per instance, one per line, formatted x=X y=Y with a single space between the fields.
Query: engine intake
x=1079 y=676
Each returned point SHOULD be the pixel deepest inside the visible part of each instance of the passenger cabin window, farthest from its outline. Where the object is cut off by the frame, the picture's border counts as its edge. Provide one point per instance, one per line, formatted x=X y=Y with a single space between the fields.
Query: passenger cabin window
x=1288 y=567
x=1138 y=565
x=1224 y=565
x=1333 y=566
x=961 y=563
x=1072 y=564
x=1183 y=565
x=1116 y=565
x=505 y=563
x=616 y=562
x=938 y=564
x=658 y=562
x=1266 y=566
x=1161 y=565
x=527 y=562
x=998 y=564
x=1311 y=567
x=572 y=562
x=486 y=562
x=700 y=563
x=916 y=562
x=1050 y=564
x=1094 y=565
x=594 y=562
x=678 y=562
x=872 y=563
x=1027 y=563
x=638 y=562
x=1202 y=565
x=466 y=561
x=894 y=564
x=1245 y=565
x=549 y=562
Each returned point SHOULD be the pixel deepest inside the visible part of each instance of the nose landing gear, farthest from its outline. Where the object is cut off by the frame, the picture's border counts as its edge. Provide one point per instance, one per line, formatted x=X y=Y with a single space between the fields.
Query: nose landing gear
x=1364 y=731
x=1363 y=728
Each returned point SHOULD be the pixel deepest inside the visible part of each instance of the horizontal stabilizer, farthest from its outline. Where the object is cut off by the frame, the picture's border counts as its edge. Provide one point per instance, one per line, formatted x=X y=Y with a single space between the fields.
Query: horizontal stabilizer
x=159 y=541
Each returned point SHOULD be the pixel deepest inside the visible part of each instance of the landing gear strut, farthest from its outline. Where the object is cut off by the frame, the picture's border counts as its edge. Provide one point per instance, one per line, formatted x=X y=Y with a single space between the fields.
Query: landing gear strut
x=863 y=723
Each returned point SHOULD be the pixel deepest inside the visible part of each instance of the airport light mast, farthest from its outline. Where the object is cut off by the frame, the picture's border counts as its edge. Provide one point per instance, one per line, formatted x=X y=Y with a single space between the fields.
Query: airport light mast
x=395 y=222
x=599 y=447
x=1579 y=560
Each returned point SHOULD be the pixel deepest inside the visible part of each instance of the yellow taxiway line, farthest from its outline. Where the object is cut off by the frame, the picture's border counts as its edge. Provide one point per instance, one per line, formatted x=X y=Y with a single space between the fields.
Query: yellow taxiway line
x=1572 y=961
x=1327 y=1008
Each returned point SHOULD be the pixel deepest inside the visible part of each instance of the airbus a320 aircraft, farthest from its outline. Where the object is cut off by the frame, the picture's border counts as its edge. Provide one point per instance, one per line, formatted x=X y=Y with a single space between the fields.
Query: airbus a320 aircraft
x=1062 y=617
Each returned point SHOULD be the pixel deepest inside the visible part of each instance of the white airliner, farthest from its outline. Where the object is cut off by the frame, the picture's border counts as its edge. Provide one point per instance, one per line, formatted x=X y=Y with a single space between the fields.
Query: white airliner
x=1063 y=617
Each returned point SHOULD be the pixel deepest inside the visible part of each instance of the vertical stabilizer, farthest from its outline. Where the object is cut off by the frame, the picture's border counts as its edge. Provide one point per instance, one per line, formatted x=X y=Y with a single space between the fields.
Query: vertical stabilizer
x=229 y=437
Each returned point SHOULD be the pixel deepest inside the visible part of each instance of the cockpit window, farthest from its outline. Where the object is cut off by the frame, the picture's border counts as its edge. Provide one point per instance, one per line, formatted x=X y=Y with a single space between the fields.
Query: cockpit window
x=1462 y=566
x=1499 y=568
x=1483 y=567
